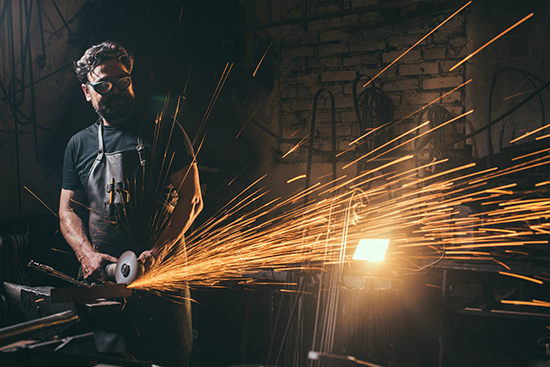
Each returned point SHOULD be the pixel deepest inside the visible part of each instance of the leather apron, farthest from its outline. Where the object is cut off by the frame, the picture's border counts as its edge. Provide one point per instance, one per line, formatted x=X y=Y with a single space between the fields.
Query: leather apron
x=111 y=190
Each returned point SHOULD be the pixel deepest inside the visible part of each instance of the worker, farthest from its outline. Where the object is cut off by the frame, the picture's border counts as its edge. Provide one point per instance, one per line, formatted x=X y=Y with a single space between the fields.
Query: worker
x=113 y=195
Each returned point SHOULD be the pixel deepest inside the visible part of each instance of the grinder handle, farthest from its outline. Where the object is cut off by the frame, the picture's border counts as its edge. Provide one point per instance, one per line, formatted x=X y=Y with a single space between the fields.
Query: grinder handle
x=110 y=270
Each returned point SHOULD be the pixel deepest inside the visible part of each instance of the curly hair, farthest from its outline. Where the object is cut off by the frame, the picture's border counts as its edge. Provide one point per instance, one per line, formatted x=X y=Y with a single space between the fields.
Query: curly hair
x=97 y=54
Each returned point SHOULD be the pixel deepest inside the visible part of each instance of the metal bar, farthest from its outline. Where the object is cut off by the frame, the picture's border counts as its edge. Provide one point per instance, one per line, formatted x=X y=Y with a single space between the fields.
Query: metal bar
x=25 y=329
x=83 y=295
x=55 y=273
x=61 y=16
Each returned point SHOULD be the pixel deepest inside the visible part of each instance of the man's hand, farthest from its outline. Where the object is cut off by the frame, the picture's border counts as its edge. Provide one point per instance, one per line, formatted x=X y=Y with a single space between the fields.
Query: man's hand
x=93 y=265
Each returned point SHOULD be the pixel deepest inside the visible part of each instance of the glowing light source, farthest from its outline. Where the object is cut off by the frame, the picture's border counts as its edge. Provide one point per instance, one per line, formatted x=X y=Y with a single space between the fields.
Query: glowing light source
x=371 y=249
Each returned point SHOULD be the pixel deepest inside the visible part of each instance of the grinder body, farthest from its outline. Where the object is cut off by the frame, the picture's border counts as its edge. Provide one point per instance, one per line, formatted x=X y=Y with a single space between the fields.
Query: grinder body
x=126 y=270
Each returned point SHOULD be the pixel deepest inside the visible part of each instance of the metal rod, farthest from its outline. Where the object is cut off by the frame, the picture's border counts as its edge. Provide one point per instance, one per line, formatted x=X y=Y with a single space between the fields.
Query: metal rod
x=25 y=329
x=55 y=273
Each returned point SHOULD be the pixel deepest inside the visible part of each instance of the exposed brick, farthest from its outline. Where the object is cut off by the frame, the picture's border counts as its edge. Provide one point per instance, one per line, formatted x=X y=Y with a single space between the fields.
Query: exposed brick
x=335 y=35
x=290 y=93
x=336 y=89
x=423 y=98
x=291 y=40
x=306 y=51
x=370 y=16
x=319 y=25
x=452 y=98
x=343 y=102
x=402 y=41
x=304 y=92
x=457 y=52
x=362 y=60
x=343 y=144
x=370 y=45
x=308 y=39
x=331 y=49
x=396 y=98
x=348 y=117
x=326 y=62
x=300 y=105
x=433 y=53
x=400 y=85
x=297 y=65
x=351 y=19
x=355 y=129
x=441 y=82
x=411 y=56
x=458 y=40
x=419 y=69
x=289 y=119
x=361 y=3
x=326 y=8
x=455 y=110
x=336 y=76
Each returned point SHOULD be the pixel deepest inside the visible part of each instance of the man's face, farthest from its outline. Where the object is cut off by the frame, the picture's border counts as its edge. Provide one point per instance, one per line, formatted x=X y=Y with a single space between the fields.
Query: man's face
x=116 y=105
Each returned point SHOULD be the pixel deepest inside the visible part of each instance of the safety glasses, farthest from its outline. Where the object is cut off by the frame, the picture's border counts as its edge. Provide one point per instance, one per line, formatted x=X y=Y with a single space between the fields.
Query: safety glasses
x=104 y=86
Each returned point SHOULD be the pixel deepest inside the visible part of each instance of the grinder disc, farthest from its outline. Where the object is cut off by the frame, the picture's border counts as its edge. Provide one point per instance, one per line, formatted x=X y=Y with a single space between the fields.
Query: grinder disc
x=128 y=268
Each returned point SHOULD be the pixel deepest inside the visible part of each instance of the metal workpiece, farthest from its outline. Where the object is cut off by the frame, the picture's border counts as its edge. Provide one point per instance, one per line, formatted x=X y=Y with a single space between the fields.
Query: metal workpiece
x=25 y=329
x=86 y=295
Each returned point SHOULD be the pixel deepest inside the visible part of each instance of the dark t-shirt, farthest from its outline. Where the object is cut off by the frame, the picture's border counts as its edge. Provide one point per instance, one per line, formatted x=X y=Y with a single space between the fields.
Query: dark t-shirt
x=82 y=149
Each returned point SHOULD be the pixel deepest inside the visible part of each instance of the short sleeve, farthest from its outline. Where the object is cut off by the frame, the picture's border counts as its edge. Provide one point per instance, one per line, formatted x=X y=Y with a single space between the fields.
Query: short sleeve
x=71 y=179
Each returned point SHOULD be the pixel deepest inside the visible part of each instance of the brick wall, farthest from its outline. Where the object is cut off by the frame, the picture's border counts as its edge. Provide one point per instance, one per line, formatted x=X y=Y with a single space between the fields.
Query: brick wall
x=326 y=54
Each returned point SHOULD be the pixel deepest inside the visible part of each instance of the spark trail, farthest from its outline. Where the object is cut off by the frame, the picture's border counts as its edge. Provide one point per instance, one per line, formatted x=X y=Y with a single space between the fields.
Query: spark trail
x=419 y=215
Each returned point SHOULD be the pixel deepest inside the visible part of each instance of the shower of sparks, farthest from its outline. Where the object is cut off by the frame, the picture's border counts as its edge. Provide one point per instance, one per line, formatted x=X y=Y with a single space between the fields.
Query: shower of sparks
x=420 y=216
x=261 y=60
x=491 y=41
x=416 y=44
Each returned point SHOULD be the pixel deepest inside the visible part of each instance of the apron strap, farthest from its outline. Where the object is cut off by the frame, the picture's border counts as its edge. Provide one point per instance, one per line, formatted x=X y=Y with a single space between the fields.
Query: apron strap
x=101 y=144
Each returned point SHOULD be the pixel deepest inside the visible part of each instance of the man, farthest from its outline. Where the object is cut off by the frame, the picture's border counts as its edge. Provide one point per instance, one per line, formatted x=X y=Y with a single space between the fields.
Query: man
x=111 y=195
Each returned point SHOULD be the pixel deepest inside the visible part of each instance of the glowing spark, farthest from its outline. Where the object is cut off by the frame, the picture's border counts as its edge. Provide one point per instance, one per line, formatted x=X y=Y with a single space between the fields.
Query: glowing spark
x=246 y=123
x=518 y=94
x=530 y=133
x=491 y=41
x=526 y=303
x=435 y=286
x=296 y=178
x=261 y=60
x=542 y=183
x=37 y=198
x=521 y=277
x=542 y=137
x=296 y=146
x=422 y=39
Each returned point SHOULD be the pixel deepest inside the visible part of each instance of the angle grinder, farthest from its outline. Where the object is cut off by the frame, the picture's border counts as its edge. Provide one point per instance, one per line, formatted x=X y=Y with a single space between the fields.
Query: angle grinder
x=126 y=270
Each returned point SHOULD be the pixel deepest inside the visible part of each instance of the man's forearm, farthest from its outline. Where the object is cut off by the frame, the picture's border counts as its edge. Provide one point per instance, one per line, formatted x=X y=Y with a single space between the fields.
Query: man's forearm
x=75 y=232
